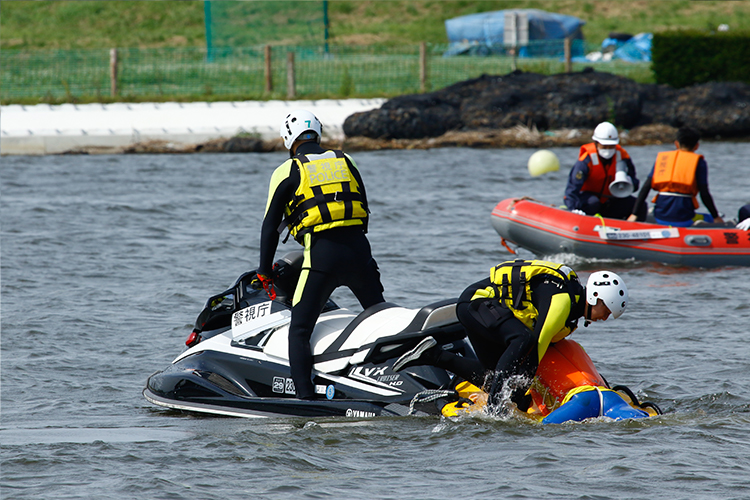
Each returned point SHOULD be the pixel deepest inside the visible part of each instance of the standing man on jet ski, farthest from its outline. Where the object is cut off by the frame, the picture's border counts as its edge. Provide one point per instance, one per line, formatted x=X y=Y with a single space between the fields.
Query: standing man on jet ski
x=319 y=196
x=588 y=189
x=514 y=315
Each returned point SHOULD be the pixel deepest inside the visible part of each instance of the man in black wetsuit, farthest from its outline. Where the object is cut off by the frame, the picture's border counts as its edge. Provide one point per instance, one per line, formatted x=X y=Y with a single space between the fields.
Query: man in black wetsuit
x=319 y=196
x=514 y=315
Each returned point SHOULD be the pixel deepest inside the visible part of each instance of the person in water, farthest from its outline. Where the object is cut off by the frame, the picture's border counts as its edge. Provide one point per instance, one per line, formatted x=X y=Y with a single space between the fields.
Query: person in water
x=319 y=196
x=588 y=189
x=514 y=315
x=679 y=176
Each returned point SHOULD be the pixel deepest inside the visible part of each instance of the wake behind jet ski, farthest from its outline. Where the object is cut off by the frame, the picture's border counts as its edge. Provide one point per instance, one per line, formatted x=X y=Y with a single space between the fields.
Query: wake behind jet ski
x=237 y=358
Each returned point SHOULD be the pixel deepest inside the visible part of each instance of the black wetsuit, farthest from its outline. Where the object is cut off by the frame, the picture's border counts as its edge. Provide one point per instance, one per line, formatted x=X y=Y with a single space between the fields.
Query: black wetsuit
x=335 y=257
x=503 y=344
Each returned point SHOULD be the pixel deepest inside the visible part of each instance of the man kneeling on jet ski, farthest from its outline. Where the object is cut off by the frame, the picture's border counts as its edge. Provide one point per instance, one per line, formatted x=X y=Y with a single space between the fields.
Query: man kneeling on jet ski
x=513 y=316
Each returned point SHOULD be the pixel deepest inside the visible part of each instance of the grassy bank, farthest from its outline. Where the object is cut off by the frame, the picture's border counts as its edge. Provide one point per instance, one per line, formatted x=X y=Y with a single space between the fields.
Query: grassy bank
x=96 y=24
x=58 y=51
x=184 y=74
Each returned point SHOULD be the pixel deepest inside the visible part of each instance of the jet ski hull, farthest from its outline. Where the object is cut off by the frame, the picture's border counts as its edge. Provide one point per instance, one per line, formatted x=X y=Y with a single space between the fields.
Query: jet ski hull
x=250 y=386
x=280 y=407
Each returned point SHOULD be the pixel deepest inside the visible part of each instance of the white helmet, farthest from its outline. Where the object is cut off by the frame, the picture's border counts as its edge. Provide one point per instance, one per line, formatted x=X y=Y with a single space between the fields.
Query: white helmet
x=609 y=287
x=297 y=123
x=606 y=134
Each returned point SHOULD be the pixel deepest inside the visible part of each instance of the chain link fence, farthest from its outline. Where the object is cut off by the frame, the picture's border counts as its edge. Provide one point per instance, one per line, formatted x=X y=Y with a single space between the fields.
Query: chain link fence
x=259 y=72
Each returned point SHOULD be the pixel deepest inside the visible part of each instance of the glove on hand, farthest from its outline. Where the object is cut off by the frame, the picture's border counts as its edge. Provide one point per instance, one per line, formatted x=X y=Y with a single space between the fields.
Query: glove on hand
x=265 y=282
x=578 y=212
x=744 y=225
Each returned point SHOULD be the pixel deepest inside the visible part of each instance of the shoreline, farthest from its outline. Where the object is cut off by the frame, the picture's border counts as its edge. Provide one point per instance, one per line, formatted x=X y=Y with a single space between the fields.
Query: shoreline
x=178 y=127
x=244 y=127
x=516 y=137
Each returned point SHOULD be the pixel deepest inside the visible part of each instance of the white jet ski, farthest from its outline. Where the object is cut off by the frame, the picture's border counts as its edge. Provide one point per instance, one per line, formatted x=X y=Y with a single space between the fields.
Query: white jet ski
x=237 y=362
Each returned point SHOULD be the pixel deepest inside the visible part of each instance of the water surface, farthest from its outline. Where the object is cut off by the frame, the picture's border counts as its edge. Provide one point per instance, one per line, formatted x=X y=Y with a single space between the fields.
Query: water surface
x=107 y=260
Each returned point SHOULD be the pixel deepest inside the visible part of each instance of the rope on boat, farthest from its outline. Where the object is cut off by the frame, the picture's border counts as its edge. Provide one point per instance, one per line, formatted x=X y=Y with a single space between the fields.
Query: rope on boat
x=505 y=244
x=429 y=396
x=528 y=198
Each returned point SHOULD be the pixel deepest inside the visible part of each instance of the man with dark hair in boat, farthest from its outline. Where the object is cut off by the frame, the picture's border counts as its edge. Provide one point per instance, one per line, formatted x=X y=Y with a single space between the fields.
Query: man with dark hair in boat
x=319 y=196
x=513 y=316
x=743 y=216
x=590 y=180
x=679 y=176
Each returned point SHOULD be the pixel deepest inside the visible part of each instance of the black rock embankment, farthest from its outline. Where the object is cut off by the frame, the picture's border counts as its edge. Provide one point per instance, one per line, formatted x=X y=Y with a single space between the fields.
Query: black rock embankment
x=567 y=101
x=522 y=110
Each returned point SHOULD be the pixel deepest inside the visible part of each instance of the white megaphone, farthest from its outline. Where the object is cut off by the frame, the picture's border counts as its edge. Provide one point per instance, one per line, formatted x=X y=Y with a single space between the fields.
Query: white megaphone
x=621 y=187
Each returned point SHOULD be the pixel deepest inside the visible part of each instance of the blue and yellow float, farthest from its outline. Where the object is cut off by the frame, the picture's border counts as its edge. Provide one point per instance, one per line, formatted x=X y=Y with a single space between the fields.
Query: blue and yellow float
x=567 y=388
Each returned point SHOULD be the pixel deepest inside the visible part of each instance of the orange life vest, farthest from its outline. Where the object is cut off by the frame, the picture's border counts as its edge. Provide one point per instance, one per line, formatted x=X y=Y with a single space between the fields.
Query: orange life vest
x=601 y=173
x=674 y=174
x=564 y=367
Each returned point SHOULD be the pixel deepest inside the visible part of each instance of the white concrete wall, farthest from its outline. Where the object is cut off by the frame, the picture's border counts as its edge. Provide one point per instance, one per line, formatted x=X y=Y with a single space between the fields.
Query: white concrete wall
x=46 y=129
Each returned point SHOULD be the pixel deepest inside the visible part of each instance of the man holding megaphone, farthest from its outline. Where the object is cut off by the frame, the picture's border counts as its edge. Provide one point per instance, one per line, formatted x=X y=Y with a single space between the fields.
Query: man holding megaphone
x=603 y=179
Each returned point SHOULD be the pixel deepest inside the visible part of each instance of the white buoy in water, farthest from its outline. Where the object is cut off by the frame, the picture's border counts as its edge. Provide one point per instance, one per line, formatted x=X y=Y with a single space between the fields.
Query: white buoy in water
x=543 y=161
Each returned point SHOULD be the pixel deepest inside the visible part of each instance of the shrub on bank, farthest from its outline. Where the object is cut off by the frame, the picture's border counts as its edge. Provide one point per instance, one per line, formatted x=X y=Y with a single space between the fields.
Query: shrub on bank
x=684 y=58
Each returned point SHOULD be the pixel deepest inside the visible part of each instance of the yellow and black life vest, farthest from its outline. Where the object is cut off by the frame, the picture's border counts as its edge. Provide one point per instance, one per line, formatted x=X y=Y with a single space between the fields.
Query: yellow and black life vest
x=328 y=196
x=511 y=285
x=674 y=174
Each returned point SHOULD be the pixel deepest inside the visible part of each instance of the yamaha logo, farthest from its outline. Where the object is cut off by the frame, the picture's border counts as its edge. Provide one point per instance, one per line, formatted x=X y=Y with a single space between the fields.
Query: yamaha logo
x=359 y=413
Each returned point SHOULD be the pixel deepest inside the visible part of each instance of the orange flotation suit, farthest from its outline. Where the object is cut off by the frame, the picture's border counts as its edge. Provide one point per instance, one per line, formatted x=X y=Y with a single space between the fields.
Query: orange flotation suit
x=565 y=371
x=600 y=175
x=564 y=367
x=674 y=174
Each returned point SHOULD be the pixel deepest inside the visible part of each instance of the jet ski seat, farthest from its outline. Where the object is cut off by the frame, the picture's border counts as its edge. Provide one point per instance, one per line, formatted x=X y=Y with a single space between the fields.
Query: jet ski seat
x=438 y=320
x=433 y=315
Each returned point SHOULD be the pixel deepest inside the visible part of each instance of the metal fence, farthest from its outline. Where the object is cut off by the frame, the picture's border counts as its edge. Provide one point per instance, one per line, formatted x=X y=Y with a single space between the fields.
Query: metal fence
x=257 y=72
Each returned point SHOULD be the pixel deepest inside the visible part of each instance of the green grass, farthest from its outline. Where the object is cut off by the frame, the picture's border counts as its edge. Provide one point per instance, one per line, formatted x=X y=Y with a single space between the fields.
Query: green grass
x=58 y=51
x=395 y=22
x=102 y=24
x=172 y=74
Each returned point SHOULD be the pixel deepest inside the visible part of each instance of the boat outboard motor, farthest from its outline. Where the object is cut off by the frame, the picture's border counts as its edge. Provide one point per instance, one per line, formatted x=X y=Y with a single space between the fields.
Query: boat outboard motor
x=622 y=186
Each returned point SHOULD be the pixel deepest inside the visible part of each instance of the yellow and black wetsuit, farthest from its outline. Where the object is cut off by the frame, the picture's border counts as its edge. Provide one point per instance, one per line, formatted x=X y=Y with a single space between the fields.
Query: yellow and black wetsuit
x=326 y=212
x=511 y=330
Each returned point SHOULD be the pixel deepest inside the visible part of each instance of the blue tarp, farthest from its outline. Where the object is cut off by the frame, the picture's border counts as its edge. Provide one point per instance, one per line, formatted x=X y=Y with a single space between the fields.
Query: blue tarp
x=636 y=49
x=488 y=27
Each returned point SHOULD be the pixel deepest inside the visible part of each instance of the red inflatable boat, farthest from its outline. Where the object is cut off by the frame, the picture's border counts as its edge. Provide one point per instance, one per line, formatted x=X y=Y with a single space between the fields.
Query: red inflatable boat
x=548 y=230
